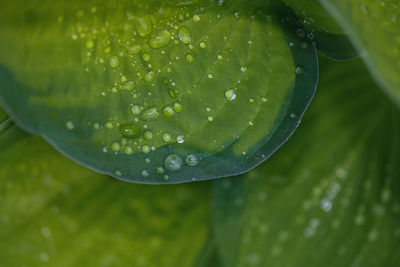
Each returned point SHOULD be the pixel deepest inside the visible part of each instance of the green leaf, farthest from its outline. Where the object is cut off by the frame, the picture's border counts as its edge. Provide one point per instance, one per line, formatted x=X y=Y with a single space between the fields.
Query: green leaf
x=322 y=29
x=374 y=28
x=331 y=196
x=5 y=121
x=57 y=213
x=156 y=91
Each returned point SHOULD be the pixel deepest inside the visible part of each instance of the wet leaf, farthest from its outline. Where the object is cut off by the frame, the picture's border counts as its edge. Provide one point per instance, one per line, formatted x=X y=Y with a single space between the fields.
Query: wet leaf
x=331 y=196
x=322 y=29
x=374 y=28
x=156 y=91
x=55 y=212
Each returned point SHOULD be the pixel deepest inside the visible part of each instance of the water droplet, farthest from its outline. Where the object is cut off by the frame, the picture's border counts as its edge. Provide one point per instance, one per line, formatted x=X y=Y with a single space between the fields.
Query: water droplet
x=184 y=35
x=166 y=137
x=70 y=125
x=145 y=173
x=243 y=69
x=148 y=135
x=109 y=125
x=128 y=150
x=178 y=107
x=173 y=163
x=150 y=114
x=146 y=149
x=180 y=139
x=146 y=57
x=136 y=110
x=134 y=49
x=127 y=86
x=89 y=44
x=149 y=76
x=45 y=231
x=300 y=32
x=191 y=160
x=117 y=173
x=114 y=62
x=143 y=26
x=299 y=70
x=161 y=40
x=160 y=170
x=203 y=45
x=210 y=118
x=230 y=95
x=130 y=131
x=189 y=58
x=196 y=18
x=168 y=112
x=115 y=147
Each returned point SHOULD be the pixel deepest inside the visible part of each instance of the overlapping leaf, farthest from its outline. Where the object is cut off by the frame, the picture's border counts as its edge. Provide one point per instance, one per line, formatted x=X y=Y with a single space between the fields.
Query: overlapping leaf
x=374 y=28
x=331 y=196
x=322 y=29
x=156 y=91
x=54 y=212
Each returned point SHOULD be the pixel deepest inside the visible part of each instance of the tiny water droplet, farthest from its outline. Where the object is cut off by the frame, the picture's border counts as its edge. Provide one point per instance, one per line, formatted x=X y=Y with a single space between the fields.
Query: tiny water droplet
x=230 y=95
x=180 y=139
x=147 y=135
x=114 y=62
x=166 y=137
x=160 y=170
x=70 y=125
x=203 y=45
x=145 y=173
x=189 y=58
x=149 y=76
x=146 y=149
x=115 y=147
x=178 y=107
x=196 y=18
x=191 y=160
x=299 y=70
x=136 y=110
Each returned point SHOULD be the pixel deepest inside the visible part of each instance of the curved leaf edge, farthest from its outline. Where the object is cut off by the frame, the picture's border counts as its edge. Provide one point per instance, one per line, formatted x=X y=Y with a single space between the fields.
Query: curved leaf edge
x=304 y=90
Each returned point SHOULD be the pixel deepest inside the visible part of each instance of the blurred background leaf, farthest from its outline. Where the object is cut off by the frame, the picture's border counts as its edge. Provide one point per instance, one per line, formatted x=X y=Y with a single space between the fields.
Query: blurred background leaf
x=374 y=28
x=331 y=196
x=54 y=212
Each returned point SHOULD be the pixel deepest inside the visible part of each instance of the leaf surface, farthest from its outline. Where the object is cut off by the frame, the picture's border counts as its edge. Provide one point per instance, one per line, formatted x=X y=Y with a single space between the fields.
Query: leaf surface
x=156 y=91
x=374 y=28
x=54 y=212
x=331 y=196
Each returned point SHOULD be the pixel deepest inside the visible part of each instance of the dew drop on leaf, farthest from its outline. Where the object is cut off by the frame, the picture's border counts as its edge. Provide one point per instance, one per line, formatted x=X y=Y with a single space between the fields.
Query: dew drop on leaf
x=173 y=163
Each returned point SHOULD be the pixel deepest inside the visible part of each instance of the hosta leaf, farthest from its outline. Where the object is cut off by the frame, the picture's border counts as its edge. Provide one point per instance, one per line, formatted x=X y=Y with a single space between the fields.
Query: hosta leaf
x=374 y=28
x=54 y=212
x=322 y=29
x=156 y=91
x=331 y=196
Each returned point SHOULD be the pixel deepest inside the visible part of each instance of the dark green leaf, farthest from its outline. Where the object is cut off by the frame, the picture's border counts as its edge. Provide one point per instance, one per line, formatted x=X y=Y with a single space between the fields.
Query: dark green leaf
x=211 y=83
x=54 y=212
x=331 y=196
x=374 y=28
x=322 y=29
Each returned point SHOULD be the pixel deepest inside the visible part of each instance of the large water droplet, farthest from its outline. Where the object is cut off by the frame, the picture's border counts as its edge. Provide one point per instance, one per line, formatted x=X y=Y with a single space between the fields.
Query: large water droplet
x=127 y=86
x=184 y=35
x=173 y=163
x=150 y=114
x=130 y=131
x=134 y=49
x=161 y=40
x=136 y=110
x=143 y=26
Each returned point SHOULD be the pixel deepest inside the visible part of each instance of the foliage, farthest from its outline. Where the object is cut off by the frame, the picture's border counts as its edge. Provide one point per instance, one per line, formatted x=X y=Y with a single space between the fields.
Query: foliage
x=166 y=92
